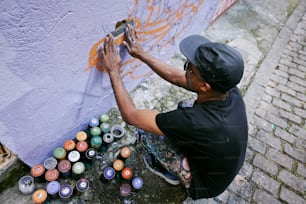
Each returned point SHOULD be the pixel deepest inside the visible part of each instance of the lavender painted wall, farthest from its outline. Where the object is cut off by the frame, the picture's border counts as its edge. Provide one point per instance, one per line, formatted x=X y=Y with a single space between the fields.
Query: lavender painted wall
x=46 y=97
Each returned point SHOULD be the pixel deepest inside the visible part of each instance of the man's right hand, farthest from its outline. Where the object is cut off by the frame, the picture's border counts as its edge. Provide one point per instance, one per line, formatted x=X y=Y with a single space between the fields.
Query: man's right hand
x=131 y=43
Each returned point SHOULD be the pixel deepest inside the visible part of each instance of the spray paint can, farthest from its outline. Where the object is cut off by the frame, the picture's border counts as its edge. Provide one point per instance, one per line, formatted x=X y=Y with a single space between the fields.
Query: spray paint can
x=127 y=173
x=137 y=182
x=65 y=192
x=125 y=190
x=104 y=118
x=64 y=168
x=94 y=122
x=26 y=184
x=81 y=136
x=69 y=145
x=118 y=164
x=107 y=140
x=95 y=131
x=90 y=156
x=96 y=142
x=40 y=196
x=105 y=127
x=51 y=174
x=53 y=188
x=82 y=185
x=108 y=174
x=78 y=169
x=59 y=153
x=125 y=153
x=74 y=156
x=50 y=163
x=37 y=171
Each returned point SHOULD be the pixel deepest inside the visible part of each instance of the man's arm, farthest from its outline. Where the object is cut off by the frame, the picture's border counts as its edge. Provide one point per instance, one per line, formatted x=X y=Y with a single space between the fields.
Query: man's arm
x=144 y=119
x=167 y=72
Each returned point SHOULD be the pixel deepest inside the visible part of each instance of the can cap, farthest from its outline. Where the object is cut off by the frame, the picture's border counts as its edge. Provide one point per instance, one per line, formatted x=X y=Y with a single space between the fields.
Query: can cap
x=64 y=166
x=51 y=174
x=108 y=138
x=127 y=173
x=69 y=145
x=65 y=191
x=137 y=182
x=95 y=131
x=74 y=156
x=82 y=185
x=118 y=165
x=81 y=136
x=59 y=153
x=125 y=152
x=39 y=196
x=78 y=168
x=26 y=184
x=96 y=141
x=37 y=170
x=53 y=187
x=82 y=146
x=50 y=163
x=109 y=173
x=90 y=153
x=125 y=190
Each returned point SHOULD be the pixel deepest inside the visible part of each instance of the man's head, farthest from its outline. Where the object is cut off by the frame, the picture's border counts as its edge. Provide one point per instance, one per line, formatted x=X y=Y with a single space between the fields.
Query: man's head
x=219 y=65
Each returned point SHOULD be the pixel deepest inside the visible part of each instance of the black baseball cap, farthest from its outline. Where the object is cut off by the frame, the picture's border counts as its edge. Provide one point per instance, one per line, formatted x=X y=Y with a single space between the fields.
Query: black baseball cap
x=219 y=64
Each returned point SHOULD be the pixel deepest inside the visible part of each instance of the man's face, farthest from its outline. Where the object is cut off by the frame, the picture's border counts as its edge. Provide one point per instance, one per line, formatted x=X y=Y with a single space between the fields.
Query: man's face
x=193 y=77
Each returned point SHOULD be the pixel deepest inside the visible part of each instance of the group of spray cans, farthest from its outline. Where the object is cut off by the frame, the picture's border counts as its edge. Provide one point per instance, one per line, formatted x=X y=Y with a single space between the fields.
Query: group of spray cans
x=70 y=161
x=123 y=172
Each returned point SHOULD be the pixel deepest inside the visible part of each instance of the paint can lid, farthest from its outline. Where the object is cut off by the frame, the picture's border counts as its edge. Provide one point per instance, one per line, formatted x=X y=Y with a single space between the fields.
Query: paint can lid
x=137 y=182
x=78 y=168
x=65 y=191
x=95 y=131
x=118 y=165
x=117 y=131
x=64 y=166
x=109 y=173
x=53 y=187
x=127 y=173
x=37 y=170
x=82 y=185
x=96 y=140
x=69 y=145
x=94 y=122
x=50 y=163
x=125 y=152
x=74 y=156
x=91 y=153
x=82 y=146
x=39 y=196
x=125 y=190
x=51 y=174
x=59 y=153
x=81 y=136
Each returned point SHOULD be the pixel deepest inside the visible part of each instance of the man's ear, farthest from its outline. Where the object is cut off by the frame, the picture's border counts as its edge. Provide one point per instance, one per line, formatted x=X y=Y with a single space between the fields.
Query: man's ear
x=205 y=87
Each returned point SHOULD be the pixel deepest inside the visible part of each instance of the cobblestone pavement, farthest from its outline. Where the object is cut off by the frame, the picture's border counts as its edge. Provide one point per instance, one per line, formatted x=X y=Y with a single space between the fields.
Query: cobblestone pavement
x=274 y=171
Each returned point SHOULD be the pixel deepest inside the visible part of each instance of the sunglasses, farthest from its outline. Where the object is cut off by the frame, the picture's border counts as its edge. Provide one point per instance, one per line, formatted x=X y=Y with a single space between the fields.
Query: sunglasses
x=188 y=67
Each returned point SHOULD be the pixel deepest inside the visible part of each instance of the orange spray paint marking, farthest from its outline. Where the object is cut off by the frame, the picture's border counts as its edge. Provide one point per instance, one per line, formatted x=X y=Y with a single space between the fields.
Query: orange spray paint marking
x=153 y=31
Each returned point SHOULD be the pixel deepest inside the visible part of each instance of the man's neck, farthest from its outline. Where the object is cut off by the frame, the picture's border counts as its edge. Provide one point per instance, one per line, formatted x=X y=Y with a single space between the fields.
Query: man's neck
x=211 y=96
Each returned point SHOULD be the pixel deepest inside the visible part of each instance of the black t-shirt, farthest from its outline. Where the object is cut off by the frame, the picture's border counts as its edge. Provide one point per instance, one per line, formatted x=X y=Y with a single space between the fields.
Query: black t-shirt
x=213 y=136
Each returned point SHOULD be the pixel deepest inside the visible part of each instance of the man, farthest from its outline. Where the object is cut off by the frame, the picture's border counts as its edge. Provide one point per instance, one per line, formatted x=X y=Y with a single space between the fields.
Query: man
x=202 y=145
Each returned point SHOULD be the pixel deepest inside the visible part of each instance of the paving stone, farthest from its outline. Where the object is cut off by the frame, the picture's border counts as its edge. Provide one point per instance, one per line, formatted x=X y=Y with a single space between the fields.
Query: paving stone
x=295 y=72
x=296 y=87
x=277 y=120
x=284 y=135
x=266 y=182
x=301 y=169
x=290 y=116
x=284 y=89
x=298 y=131
x=280 y=158
x=297 y=80
x=295 y=153
x=262 y=124
x=294 y=182
x=256 y=145
x=246 y=170
x=290 y=197
x=265 y=164
x=280 y=104
x=300 y=112
x=269 y=139
x=262 y=197
x=291 y=100
x=301 y=143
